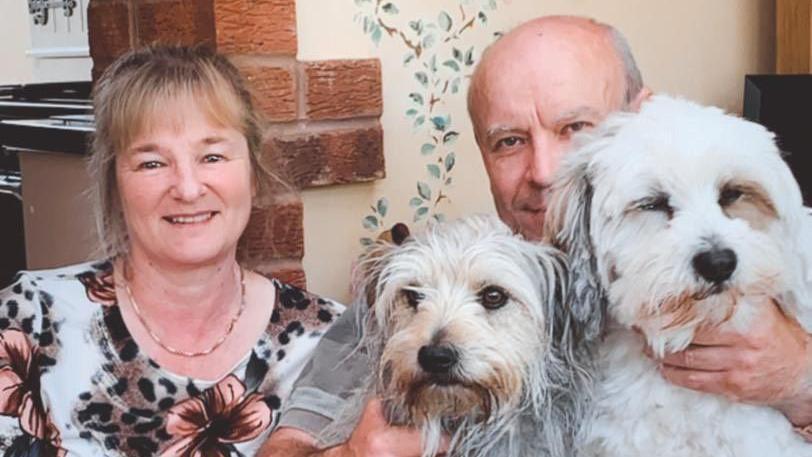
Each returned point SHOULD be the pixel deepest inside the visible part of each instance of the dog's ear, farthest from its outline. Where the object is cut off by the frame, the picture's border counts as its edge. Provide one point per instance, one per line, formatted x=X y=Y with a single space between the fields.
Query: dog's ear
x=567 y=227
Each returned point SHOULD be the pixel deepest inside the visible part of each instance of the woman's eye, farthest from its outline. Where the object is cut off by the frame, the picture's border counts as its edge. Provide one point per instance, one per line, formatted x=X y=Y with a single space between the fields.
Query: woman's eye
x=213 y=158
x=149 y=165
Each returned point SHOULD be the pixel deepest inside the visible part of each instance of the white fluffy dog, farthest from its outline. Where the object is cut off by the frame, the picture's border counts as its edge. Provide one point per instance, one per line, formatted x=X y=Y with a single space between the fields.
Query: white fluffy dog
x=673 y=218
x=468 y=336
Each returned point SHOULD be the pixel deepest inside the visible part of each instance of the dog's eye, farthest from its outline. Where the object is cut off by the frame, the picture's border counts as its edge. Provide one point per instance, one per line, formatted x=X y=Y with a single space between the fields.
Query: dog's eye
x=729 y=195
x=493 y=297
x=656 y=204
x=413 y=297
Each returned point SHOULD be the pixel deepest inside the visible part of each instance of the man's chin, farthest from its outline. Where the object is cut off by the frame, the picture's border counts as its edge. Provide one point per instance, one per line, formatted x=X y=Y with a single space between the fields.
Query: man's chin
x=530 y=224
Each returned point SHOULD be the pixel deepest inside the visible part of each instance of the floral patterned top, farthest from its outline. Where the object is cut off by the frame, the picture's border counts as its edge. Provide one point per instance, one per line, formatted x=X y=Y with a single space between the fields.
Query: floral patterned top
x=74 y=382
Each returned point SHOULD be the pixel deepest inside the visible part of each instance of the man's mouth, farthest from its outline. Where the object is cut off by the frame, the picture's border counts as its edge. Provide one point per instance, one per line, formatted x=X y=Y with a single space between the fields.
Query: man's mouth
x=188 y=219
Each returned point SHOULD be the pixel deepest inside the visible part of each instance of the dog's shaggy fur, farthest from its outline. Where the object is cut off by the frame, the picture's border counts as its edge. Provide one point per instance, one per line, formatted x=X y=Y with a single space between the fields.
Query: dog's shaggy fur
x=468 y=336
x=676 y=217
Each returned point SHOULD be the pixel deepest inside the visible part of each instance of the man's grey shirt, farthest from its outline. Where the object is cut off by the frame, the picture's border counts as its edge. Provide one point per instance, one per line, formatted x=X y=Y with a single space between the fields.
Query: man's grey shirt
x=334 y=371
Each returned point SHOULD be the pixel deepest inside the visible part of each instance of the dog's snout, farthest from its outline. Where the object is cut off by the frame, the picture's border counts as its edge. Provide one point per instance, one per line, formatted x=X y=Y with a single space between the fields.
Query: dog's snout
x=715 y=265
x=437 y=359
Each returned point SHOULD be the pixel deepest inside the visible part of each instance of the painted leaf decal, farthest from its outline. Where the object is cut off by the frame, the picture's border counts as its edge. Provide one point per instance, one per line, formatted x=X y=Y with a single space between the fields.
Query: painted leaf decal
x=450 y=159
x=422 y=78
x=434 y=170
x=444 y=20
x=420 y=213
x=390 y=8
x=450 y=137
x=427 y=149
x=383 y=206
x=415 y=202
x=440 y=122
x=370 y=222
x=423 y=190
x=367 y=241
x=417 y=98
x=452 y=64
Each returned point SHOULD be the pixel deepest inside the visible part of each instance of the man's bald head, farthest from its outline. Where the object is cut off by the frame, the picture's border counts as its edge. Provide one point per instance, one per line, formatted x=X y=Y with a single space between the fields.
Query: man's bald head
x=535 y=87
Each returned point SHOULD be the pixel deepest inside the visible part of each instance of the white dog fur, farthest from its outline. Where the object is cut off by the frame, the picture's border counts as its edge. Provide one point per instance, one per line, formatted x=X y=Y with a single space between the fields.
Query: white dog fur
x=517 y=388
x=634 y=205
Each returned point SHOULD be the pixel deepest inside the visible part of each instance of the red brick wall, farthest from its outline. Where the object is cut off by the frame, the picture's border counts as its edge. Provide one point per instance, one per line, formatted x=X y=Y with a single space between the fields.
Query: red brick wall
x=324 y=116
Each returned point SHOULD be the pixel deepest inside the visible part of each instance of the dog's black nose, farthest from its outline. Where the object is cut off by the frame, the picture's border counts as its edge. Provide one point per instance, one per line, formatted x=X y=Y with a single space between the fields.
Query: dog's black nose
x=715 y=265
x=437 y=359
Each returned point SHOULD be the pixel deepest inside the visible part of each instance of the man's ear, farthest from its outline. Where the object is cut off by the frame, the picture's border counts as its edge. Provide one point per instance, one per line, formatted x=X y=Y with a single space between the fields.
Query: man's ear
x=642 y=96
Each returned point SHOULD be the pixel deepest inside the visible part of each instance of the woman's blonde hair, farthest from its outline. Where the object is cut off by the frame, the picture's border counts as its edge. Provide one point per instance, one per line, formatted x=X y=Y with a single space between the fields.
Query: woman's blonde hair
x=139 y=85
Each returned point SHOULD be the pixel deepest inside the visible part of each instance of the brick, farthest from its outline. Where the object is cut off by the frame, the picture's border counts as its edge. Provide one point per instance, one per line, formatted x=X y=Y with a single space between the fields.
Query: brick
x=341 y=89
x=256 y=26
x=274 y=90
x=332 y=157
x=175 y=22
x=108 y=32
x=274 y=232
x=294 y=276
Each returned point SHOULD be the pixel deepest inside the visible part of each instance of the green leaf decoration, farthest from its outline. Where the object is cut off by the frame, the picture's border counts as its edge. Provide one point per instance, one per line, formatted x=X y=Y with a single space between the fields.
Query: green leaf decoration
x=428 y=41
x=450 y=137
x=367 y=241
x=417 y=98
x=370 y=222
x=423 y=190
x=415 y=202
x=408 y=58
x=434 y=170
x=441 y=122
x=367 y=24
x=457 y=54
x=420 y=213
x=427 y=149
x=383 y=206
x=439 y=217
x=452 y=64
x=422 y=78
x=483 y=18
x=390 y=8
x=376 y=34
x=444 y=20
x=450 y=160
x=433 y=64
x=448 y=181
x=419 y=120
x=469 y=57
x=417 y=26
x=411 y=112
x=492 y=4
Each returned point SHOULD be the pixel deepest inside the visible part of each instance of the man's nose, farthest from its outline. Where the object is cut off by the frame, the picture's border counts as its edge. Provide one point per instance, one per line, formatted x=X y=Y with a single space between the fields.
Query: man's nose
x=544 y=162
x=187 y=185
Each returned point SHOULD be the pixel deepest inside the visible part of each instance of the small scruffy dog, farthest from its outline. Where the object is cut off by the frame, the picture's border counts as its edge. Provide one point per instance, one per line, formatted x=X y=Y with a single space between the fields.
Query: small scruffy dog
x=673 y=218
x=468 y=336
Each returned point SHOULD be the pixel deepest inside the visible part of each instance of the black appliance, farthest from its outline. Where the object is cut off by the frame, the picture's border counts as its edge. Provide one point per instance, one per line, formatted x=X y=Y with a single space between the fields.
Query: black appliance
x=52 y=117
x=783 y=103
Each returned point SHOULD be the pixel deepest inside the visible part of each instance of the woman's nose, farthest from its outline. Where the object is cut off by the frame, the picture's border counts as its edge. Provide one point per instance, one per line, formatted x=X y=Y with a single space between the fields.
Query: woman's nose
x=187 y=185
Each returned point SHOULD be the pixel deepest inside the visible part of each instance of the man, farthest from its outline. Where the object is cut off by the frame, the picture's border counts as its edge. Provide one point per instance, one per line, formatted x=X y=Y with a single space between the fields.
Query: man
x=532 y=90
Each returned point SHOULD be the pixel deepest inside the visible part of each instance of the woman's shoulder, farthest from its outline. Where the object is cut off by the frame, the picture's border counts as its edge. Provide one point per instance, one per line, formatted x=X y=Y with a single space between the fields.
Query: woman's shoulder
x=299 y=313
x=48 y=278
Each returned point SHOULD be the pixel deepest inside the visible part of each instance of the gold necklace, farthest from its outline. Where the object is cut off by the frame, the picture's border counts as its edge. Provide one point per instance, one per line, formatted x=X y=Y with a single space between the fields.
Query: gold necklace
x=179 y=352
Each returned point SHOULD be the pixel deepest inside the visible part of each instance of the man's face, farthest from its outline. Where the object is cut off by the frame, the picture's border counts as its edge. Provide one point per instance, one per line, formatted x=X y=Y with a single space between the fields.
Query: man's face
x=532 y=96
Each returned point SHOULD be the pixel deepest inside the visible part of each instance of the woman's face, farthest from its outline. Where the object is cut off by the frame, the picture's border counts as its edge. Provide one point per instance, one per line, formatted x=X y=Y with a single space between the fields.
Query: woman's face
x=186 y=187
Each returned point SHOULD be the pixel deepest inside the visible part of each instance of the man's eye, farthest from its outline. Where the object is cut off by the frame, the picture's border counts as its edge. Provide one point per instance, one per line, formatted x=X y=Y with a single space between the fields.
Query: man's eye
x=213 y=158
x=508 y=142
x=574 y=127
x=149 y=165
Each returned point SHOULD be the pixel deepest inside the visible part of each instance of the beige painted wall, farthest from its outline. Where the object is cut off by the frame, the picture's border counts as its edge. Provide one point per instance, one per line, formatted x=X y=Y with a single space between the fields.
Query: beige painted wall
x=15 y=39
x=696 y=48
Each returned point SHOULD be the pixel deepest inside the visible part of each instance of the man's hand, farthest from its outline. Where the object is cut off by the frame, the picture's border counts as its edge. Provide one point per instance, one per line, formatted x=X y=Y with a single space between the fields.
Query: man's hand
x=769 y=365
x=372 y=437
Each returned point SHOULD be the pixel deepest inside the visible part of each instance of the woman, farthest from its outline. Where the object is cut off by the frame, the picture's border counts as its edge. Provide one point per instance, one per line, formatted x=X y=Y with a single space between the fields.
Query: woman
x=170 y=347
